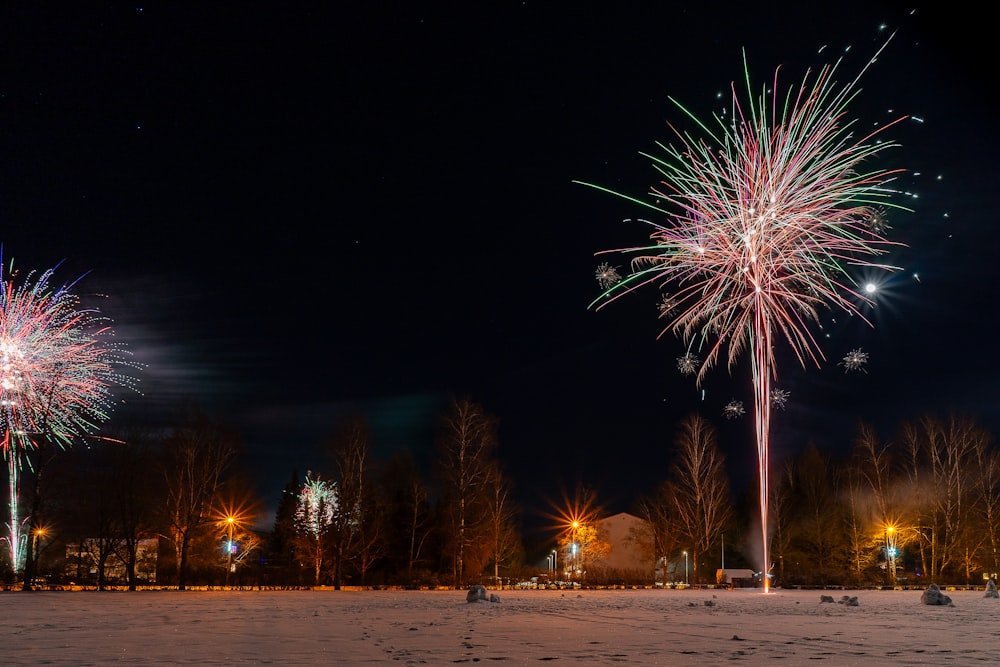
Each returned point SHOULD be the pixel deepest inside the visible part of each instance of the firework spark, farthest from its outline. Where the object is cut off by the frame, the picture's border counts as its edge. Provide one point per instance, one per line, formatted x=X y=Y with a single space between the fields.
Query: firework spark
x=779 y=398
x=761 y=221
x=607 y=276
x=854 y=360
x=734 y=409
x=667 y=306
x=877 y=224
x=58 y=370
x=688 y=364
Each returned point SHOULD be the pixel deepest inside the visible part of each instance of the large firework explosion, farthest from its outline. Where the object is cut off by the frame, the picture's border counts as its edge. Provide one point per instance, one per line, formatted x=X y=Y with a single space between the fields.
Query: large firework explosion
x=59 y=365
x=763 y=222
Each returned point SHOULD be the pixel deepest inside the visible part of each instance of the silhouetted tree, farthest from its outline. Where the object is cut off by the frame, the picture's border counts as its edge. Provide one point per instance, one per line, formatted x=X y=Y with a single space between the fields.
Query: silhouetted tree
x=466 y=447
x=280 y=550
x=501 y=533
x=699 y=486
x=349 y=535
x=408 y=516
x=194 y=458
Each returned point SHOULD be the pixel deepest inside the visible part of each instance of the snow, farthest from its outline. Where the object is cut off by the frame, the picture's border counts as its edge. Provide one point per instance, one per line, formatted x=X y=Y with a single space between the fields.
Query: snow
x=631 y=627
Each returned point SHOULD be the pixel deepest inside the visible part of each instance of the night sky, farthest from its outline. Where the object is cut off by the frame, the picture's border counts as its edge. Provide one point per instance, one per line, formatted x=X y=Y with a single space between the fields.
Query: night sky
x=301 y=210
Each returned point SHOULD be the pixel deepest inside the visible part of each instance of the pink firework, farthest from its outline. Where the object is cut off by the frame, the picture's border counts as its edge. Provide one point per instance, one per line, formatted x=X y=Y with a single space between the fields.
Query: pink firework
x=770 y=214
x=58 y=367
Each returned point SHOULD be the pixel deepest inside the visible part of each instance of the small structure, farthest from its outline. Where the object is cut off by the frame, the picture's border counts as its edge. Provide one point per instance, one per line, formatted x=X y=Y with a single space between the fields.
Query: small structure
x=735 y=578
x=82 y=560
x=625 y=534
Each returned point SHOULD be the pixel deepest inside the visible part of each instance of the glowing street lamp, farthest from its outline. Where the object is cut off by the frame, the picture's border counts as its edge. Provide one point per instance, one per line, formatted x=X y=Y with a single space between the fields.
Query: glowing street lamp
x=230 y=523
x=575 y=549
x=890 y=553
x=35 y=535
x=555 y=564
x=685 y=568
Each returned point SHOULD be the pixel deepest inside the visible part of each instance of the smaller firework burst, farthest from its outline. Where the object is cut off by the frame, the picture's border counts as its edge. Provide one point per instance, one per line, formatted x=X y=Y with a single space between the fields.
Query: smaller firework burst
x=317 y=503
x=734 y=409
x=667 y=305
x=854 y=360
x=779 y=398
x=607 y=275
x=876 y=222
x=688 y=364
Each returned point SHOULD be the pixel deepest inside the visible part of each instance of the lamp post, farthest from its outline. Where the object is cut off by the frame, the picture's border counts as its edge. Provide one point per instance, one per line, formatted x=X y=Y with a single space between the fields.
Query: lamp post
x=890 y=554
x=230 y=521
x=39 y=532
x=685 y=568
x=555 y=564
x=576 y=550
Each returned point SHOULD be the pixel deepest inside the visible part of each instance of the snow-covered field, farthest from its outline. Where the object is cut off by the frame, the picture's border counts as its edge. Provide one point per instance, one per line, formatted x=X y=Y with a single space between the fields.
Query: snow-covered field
x=629 y=627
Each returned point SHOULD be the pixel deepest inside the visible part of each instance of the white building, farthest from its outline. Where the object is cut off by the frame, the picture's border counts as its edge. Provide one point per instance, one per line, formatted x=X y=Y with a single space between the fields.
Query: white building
x=82 y=559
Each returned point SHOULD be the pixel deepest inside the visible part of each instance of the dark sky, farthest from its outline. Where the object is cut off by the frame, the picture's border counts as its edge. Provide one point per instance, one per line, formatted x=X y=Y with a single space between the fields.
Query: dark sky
x=303 y=209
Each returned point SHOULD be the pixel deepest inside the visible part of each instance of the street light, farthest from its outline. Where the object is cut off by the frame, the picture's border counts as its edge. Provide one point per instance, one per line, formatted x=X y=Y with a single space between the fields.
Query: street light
x=576 y=550
x=230 y=521
x=555 y=564
x=39 y=532
x=685 y=568
x=890 y=553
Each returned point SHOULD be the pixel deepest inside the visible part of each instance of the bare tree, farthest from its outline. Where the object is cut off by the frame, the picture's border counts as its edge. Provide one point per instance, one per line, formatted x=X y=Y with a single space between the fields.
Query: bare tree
x=873 y=462
x=38 y=460
x=349 y=537
x=466 y=446
x=699 y=485
x=658 y=511
x=818 y=512
x=407 y=515
x=988 y=500
x=943 y=452
x=502 y=534
x=586 y=545
x=134 y=486
x=195 y=457
x=782 y=509
x=856 y=500
x=418 y=525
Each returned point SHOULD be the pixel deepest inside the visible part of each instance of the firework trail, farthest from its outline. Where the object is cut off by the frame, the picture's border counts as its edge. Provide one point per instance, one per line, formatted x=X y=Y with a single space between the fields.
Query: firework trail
x=58 y=368
x=761 y=222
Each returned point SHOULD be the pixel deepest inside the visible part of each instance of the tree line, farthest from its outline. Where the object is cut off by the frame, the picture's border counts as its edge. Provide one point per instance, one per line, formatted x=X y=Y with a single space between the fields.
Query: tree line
x=921 y=507
x=359 y=522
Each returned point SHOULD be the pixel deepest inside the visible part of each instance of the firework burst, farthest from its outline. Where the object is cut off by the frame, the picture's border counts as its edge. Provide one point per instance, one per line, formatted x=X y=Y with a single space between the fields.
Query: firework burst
x=779 y=398
x=688 y=364
x=761 y=223
x=316 y=507
x=59 y=366
x=607 y=276
x=734 y=409
x=667 y=306
x=855 y=360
